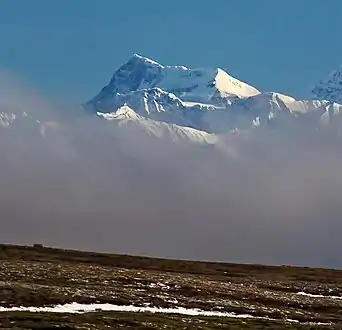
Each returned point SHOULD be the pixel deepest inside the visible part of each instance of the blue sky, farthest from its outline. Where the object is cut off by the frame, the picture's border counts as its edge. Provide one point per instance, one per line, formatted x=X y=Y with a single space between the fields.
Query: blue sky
x=68 y=49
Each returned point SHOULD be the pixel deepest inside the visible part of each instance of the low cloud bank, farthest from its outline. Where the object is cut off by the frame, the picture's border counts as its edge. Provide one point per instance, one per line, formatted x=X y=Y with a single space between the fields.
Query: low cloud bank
x=267 y=196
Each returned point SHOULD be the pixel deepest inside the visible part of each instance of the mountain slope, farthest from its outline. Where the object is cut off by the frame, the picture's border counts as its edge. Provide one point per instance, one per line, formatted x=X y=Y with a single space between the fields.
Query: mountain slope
x=271 y=105
x=156 y=104
x=330 y=89
x=127 y=119
x=271 y=108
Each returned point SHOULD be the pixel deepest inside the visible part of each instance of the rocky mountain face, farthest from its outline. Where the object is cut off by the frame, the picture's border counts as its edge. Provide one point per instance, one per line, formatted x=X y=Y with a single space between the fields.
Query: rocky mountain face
x=330 y=88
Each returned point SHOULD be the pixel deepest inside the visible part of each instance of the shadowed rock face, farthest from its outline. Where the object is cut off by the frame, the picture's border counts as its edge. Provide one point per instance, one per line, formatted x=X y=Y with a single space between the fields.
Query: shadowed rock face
x=132 y=74
x=330 y=88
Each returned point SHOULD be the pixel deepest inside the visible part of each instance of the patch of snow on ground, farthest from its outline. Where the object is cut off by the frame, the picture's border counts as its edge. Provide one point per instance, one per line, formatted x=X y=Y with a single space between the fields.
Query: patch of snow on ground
x=88 y=308
x=318 y=296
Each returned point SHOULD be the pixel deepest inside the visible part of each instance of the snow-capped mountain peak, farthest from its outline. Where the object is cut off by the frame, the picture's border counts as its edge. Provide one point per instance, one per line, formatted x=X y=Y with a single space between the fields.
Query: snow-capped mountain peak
x=138 y=58
x=125 y=112
x=233 y=87
x=330 y=89
x=147 y=61
x=199 y=85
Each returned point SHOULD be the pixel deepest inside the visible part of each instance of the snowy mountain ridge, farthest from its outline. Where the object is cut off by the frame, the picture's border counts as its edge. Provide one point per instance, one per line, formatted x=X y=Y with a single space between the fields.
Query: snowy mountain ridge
x=208 y=99
x=127 y=118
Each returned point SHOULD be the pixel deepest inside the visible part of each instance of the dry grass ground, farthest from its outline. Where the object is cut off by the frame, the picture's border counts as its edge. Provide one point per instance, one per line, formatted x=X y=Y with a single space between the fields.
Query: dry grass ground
x=38 y=276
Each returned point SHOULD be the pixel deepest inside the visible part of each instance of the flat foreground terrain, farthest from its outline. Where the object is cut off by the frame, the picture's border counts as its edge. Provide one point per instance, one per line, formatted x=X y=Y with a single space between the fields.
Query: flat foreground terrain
x=267 y=297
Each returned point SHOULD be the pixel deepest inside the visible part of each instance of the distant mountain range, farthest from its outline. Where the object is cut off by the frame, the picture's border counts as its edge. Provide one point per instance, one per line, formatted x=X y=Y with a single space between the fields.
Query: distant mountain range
x=208 y=100
x=197 y=105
